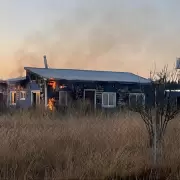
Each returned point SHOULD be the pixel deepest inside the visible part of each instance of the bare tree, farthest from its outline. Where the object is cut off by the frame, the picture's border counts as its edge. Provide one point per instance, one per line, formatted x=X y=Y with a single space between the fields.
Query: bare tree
x=165 y=108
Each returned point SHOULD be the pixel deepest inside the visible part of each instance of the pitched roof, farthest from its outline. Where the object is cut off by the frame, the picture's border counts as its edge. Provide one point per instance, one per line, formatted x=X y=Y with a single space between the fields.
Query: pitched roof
x=12 y=80
x=87 y=75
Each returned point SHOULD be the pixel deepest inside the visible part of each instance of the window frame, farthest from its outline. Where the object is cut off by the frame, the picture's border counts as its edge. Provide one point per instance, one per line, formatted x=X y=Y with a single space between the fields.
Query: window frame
x=114 y=100
x=23 y=98
x=138 y=94
x=65 y=98
x=13 y=103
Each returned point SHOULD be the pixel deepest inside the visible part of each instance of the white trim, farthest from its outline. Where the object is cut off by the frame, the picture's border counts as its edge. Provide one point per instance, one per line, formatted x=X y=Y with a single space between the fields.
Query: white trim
x=45 y=94
x=114 y=100
x=66 y=103
x=37 y=92
x=94 y=90
x=137 y=94
x=176 y=90
x=24 y=98
x=10 y=100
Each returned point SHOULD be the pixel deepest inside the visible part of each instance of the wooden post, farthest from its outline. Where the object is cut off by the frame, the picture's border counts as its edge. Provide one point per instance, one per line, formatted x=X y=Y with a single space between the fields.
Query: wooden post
x=45 y=93
x=8 y=95
x=155 y=130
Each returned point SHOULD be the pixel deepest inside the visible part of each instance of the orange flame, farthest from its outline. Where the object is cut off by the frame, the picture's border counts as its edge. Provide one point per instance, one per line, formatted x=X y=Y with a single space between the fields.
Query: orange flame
x=53 y=84
x=51 y=103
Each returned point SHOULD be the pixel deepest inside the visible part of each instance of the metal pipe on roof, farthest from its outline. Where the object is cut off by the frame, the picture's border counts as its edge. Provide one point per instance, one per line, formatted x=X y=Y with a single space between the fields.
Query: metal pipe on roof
x=45 y=62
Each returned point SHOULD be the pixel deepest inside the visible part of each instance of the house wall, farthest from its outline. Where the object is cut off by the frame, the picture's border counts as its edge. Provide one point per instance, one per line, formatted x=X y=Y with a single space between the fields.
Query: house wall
x=33 y=86
x=18 y=87
x=122 y=91
x=76 y=90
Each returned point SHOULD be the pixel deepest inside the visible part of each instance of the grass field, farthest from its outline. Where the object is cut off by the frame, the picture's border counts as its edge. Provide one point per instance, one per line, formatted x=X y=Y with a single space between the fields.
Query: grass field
x=37 y=145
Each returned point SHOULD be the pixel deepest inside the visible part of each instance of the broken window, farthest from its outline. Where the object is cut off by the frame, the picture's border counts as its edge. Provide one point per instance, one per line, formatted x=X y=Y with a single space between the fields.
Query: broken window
x=136 y=99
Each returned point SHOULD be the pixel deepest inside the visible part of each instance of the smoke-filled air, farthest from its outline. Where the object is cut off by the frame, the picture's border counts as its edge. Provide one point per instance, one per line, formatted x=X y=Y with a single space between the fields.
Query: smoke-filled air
x=117 y=35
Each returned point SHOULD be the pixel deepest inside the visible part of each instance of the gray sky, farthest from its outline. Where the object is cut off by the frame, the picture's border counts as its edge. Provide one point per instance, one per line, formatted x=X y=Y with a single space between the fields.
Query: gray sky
x=120 y=35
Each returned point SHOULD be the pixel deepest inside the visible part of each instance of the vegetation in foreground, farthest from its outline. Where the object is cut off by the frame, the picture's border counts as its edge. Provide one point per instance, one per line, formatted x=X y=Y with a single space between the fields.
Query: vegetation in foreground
x=37 y=145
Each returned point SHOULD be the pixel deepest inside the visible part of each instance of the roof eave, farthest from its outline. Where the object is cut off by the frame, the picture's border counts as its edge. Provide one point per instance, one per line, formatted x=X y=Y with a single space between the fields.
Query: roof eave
x=123 y=82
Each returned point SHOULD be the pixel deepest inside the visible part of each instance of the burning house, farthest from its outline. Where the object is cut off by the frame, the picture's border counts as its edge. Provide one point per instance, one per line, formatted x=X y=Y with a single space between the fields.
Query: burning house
x=19 y=92
x=61 y=87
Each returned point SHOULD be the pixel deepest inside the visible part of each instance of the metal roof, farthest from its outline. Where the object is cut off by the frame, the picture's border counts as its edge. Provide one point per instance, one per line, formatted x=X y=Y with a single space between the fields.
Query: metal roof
x=87 y=75
x=16 y=79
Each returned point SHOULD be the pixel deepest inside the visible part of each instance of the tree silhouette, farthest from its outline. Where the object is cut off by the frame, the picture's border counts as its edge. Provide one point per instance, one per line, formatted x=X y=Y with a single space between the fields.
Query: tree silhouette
x=165 y=108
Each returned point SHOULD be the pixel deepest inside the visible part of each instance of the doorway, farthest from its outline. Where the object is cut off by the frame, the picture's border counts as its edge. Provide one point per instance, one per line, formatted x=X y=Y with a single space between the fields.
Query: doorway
x=35 y=98
x=90 y=97
x=1 y=101
x=1 y=97
x=178 y=102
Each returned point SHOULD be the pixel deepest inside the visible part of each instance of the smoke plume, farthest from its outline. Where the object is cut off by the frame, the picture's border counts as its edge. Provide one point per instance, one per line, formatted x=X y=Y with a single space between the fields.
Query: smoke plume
x=106 y=35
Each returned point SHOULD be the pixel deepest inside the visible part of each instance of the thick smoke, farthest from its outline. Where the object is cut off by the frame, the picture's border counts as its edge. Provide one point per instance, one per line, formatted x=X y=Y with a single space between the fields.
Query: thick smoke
x=107 y=35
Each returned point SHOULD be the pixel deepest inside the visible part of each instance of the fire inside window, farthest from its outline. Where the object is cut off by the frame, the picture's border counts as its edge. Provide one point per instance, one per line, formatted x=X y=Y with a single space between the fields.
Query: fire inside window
x=13 y=98
x=52 y=84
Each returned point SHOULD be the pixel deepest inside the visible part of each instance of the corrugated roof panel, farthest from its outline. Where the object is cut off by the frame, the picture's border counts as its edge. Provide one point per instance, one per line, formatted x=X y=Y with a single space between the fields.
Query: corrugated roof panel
x=16 y=79
x=87 y=75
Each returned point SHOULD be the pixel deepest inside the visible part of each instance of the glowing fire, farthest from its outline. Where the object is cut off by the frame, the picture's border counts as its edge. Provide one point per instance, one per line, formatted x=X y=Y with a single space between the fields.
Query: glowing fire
x=53 y=84
x=62 y=86
x=51 y=103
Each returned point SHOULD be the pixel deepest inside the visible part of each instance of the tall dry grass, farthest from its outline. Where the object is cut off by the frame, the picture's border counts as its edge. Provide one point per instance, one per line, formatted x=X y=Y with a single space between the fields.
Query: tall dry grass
x=38 y=145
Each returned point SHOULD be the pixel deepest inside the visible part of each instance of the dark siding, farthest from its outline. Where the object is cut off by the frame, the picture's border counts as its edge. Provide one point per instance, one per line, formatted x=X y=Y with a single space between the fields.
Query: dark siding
x=122 y=91
x=150 y=95
x=76 y=89
x=27 y=87
x=99 y=91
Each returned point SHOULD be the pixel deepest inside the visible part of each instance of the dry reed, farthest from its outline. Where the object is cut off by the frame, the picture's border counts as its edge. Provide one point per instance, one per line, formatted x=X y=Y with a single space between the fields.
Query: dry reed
x=38 y=145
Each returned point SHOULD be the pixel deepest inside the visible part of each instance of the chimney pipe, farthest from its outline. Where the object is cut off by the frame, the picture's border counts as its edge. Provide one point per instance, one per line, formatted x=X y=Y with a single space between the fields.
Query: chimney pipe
x=45 y=62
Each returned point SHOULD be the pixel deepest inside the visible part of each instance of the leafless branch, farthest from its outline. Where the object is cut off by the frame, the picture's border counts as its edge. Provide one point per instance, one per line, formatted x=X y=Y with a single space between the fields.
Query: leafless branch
x=165 y=109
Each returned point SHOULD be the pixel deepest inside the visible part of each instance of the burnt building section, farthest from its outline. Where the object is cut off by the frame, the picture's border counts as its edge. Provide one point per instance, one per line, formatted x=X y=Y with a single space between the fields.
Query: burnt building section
x=100 y=89
x=3 y=94
x=22 y=93
x=56 y=88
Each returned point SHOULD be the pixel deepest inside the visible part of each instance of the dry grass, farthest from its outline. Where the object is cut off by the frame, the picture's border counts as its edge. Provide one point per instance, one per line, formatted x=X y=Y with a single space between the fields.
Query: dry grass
x=35 y=145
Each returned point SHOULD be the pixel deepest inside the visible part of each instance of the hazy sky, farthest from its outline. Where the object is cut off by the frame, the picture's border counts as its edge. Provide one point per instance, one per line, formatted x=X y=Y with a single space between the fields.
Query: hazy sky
x=120 y=35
